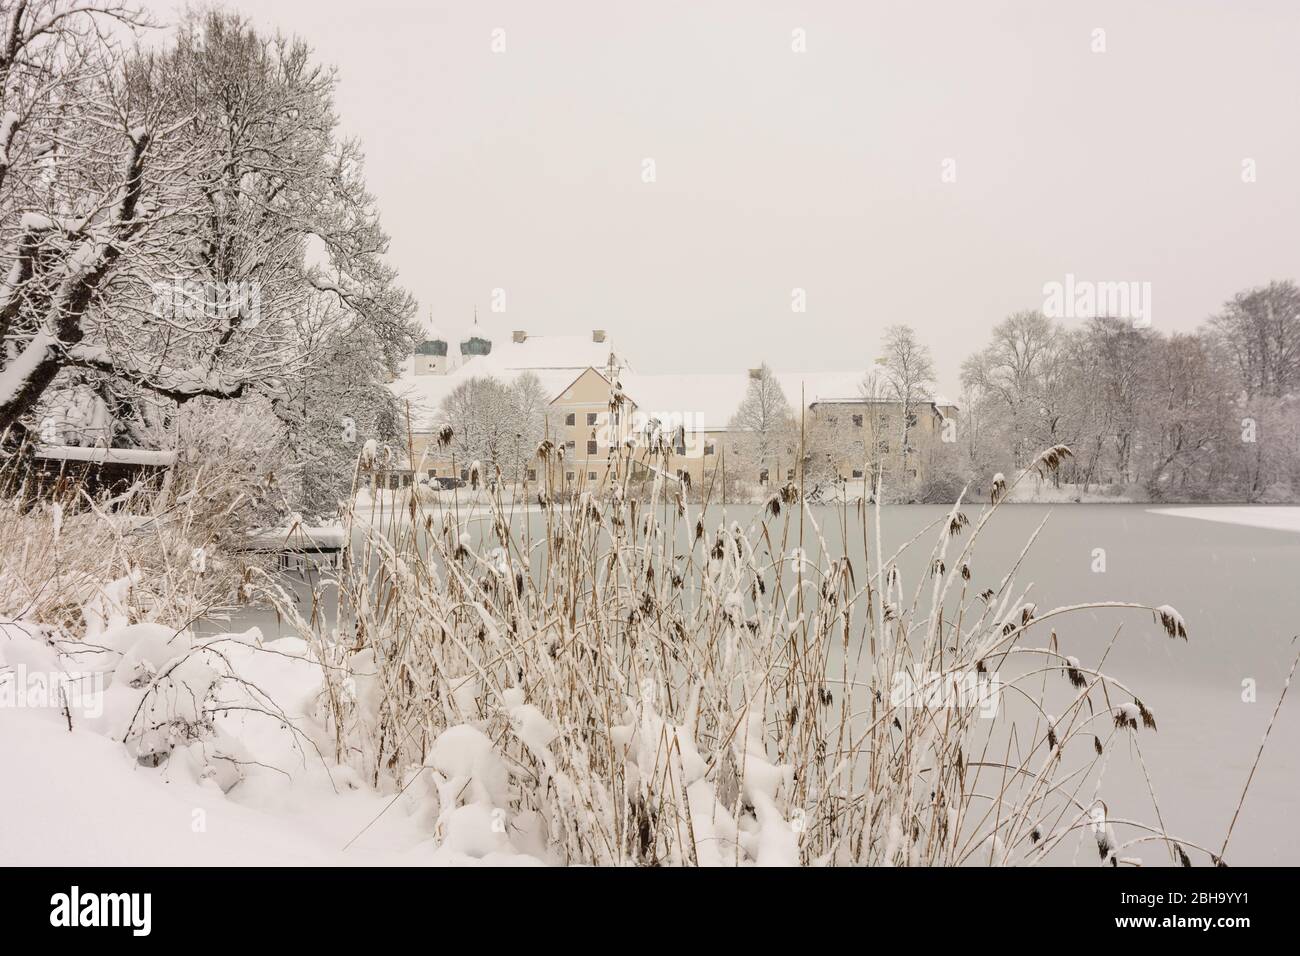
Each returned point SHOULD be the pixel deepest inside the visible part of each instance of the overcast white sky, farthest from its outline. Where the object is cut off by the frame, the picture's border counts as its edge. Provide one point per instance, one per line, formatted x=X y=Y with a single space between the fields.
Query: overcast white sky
x=522 y=170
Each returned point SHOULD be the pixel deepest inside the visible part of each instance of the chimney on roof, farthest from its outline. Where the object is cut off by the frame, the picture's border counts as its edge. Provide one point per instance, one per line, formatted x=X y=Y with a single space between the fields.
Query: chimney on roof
x=519 y=335
x=598 y=335
x=756 y=373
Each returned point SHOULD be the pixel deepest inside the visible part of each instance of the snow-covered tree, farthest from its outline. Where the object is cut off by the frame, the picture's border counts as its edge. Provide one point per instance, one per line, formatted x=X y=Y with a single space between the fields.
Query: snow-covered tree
x=495 y=423
x=764 y=427
x=1010 y=373
x=1260 y=331
x=1122 y=378
x=328 y=415
x=235 y=250
x=830 y=443
x=72 y=176
x=530 y=403
x=907 y=376
x=1184 y=417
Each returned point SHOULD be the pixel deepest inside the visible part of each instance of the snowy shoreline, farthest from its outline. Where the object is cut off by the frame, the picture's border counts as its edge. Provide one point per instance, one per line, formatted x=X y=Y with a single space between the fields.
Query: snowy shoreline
x=1270 y=517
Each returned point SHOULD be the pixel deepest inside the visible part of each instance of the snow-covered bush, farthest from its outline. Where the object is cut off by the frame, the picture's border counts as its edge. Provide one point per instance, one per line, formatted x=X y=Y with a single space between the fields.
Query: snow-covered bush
x=166 y=550
x=101 y=597
x=155 y=688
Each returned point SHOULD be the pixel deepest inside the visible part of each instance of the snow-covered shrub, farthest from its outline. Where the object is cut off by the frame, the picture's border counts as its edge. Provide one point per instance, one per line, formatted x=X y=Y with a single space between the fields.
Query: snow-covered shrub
x=178 y=541
x=940 y=488
x=156 y=689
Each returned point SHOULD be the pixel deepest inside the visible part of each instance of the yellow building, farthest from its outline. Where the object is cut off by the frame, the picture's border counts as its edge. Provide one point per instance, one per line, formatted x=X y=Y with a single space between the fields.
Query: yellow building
x=869 y=435
x=574 y=373
x=589 y=430
x=857 y=433
x=581 y=423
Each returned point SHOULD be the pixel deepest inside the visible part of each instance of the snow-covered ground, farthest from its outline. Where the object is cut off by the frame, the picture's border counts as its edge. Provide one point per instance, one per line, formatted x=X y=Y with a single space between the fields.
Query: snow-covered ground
x=258 y=787
x=81 y=796
x=1274 y=517
x=77 y=799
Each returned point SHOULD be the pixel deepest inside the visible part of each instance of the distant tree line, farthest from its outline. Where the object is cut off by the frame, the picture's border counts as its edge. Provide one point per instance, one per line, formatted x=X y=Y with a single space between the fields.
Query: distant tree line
x=1207 y=415
x=1210 y=414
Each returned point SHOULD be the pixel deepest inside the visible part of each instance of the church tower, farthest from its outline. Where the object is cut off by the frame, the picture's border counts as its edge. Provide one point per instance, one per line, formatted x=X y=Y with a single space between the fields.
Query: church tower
x=431 y=353
x=476 y=342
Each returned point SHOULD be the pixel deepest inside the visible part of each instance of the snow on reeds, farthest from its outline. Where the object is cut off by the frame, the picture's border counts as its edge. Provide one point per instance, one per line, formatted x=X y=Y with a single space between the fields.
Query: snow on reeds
x=165 y=547
x=622 y=678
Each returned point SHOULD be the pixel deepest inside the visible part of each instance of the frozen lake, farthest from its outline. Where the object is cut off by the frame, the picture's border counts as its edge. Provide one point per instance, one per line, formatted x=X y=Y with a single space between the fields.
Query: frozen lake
x=1237 y=586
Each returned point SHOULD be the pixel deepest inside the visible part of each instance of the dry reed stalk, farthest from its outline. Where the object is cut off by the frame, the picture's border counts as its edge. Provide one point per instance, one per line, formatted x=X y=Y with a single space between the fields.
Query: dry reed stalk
x=644 y=639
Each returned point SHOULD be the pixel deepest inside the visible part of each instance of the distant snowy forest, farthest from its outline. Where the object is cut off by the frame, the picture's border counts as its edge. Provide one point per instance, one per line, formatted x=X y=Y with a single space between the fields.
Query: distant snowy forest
x=1211 y=414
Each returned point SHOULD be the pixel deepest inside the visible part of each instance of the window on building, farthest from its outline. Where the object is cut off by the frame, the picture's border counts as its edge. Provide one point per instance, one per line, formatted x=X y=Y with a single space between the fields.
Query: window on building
x=591 y=476
x=406 y=481
x=911 y=420
x=591 y=418
x=532 y=474
x=569 y=446
x=709 y=448
x=571 y=418
x=392 y=482
x=857 y=421
x=433 y=472
x=857 y=472
x=568 y=476
x=789 y=474
x=591 y=447
x=882 y=446
x=762 y=476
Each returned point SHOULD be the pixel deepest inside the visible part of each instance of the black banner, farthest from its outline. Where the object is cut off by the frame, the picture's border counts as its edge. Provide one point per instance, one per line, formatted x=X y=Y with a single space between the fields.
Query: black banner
x=367 y=905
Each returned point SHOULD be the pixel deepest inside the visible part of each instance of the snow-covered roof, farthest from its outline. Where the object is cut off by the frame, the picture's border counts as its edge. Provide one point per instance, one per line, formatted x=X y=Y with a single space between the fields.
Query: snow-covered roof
x=431 y=332
x=99 y=456
x=538 y=349
x=556 y=360
x=426 y=392
x=703 y=400
x=300 y=536
x=710 y=399
x=554 y=351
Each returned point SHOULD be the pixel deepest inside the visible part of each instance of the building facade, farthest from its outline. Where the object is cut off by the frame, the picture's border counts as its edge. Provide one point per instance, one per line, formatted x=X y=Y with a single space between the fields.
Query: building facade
x=598 y=410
